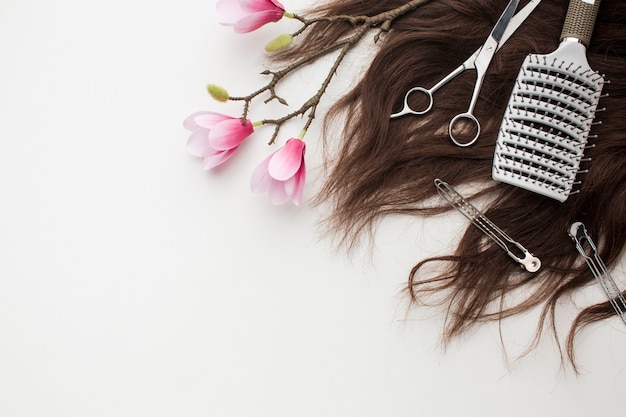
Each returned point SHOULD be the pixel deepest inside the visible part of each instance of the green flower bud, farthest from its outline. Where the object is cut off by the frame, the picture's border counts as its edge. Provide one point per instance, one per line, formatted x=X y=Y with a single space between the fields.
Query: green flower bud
x=217 y=92
x=279 y=43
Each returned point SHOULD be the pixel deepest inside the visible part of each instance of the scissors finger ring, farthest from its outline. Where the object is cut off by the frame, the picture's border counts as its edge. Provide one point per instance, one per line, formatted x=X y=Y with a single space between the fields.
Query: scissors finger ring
x=407 y=109
x=462 y=127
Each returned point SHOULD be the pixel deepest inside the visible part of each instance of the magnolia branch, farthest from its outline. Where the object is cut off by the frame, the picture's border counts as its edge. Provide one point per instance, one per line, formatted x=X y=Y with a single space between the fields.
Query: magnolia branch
x=361 y=24
x=382 y=19
x=311 y=104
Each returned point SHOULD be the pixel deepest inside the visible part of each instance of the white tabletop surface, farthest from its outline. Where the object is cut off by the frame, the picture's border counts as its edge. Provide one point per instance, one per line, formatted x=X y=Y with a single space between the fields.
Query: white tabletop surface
x=133 y=283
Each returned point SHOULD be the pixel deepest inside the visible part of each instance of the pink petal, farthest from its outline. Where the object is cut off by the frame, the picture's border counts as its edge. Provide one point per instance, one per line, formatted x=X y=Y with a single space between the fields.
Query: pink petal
x=198 y=143
x=287 y=160
x=296 y=186
x=260 y=180
x=229 y=134
x=256 y=20
x=204 y=119
x=290 y=186
x=278 y=5
x=231 y=11
x=218 y=158
x=277 y=193
x=261 y=6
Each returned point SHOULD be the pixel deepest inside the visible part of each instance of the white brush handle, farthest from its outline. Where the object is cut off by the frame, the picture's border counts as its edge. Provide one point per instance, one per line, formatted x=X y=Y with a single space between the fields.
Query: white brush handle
x=580 y=20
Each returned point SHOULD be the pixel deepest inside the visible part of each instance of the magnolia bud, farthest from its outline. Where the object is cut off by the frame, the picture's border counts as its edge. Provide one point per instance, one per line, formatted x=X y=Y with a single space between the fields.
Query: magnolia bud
x=279 y=43
x=217 y=92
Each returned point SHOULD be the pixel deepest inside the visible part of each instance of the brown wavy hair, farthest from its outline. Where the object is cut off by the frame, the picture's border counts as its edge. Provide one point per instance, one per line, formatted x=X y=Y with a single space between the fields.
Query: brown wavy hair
x=379 y=166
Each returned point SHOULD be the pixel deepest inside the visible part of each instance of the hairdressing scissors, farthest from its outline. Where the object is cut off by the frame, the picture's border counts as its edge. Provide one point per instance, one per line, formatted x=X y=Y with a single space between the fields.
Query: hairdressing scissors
x=506 y=25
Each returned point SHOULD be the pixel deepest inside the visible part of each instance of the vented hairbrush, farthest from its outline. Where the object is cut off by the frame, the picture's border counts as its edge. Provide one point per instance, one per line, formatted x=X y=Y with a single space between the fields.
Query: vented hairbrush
x=545 y=129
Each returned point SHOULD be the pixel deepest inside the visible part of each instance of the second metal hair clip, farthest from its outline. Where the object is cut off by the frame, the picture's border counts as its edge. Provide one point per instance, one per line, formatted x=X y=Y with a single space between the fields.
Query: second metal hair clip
x=588 y=250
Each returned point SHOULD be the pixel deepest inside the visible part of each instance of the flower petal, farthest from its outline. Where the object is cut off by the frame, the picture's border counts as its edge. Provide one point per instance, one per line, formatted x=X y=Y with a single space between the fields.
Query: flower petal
x=278 y=4
x=299 y=180
x=230 y=10
x=290 y=186
x=294 y=186
x=229 y=134
x=260 y=6
x=217 y=158
x=204 y=119
x=256 y=20
x=277 y=193
x=260 y=180
x=198 y=143
x=287 y=160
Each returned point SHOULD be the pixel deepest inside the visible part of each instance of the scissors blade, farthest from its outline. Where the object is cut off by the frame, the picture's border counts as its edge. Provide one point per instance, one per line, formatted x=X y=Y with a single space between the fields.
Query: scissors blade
x=517 y=20
x=514 y=23
x=504 y=20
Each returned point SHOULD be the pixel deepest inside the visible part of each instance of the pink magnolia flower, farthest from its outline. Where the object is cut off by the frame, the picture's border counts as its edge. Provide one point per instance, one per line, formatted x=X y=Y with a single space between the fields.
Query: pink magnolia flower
x=282 y=174
x=214 y=136
x=248 y=15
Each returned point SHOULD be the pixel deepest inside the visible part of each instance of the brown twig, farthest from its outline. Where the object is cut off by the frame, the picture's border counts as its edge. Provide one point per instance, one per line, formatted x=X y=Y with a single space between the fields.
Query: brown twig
x=362 y=25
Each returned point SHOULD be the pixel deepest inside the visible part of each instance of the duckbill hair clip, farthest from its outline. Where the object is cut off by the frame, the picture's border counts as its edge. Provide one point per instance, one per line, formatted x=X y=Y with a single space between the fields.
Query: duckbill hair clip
x=478 y=219
x=589 y=252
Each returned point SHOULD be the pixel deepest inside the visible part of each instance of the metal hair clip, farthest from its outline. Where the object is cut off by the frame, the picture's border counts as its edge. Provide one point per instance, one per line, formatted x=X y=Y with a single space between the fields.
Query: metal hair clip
x=478 y=219
x=579 y=234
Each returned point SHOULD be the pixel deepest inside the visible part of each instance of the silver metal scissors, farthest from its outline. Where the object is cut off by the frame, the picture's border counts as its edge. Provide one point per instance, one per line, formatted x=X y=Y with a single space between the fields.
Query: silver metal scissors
x=506 y=25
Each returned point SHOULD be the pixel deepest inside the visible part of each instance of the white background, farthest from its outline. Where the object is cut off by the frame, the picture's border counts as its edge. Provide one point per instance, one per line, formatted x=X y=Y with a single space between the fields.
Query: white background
x=132 y=283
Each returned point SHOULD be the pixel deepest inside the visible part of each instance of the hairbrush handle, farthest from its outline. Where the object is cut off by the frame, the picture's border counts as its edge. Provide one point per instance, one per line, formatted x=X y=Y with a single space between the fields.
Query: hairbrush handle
x=580 y=20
